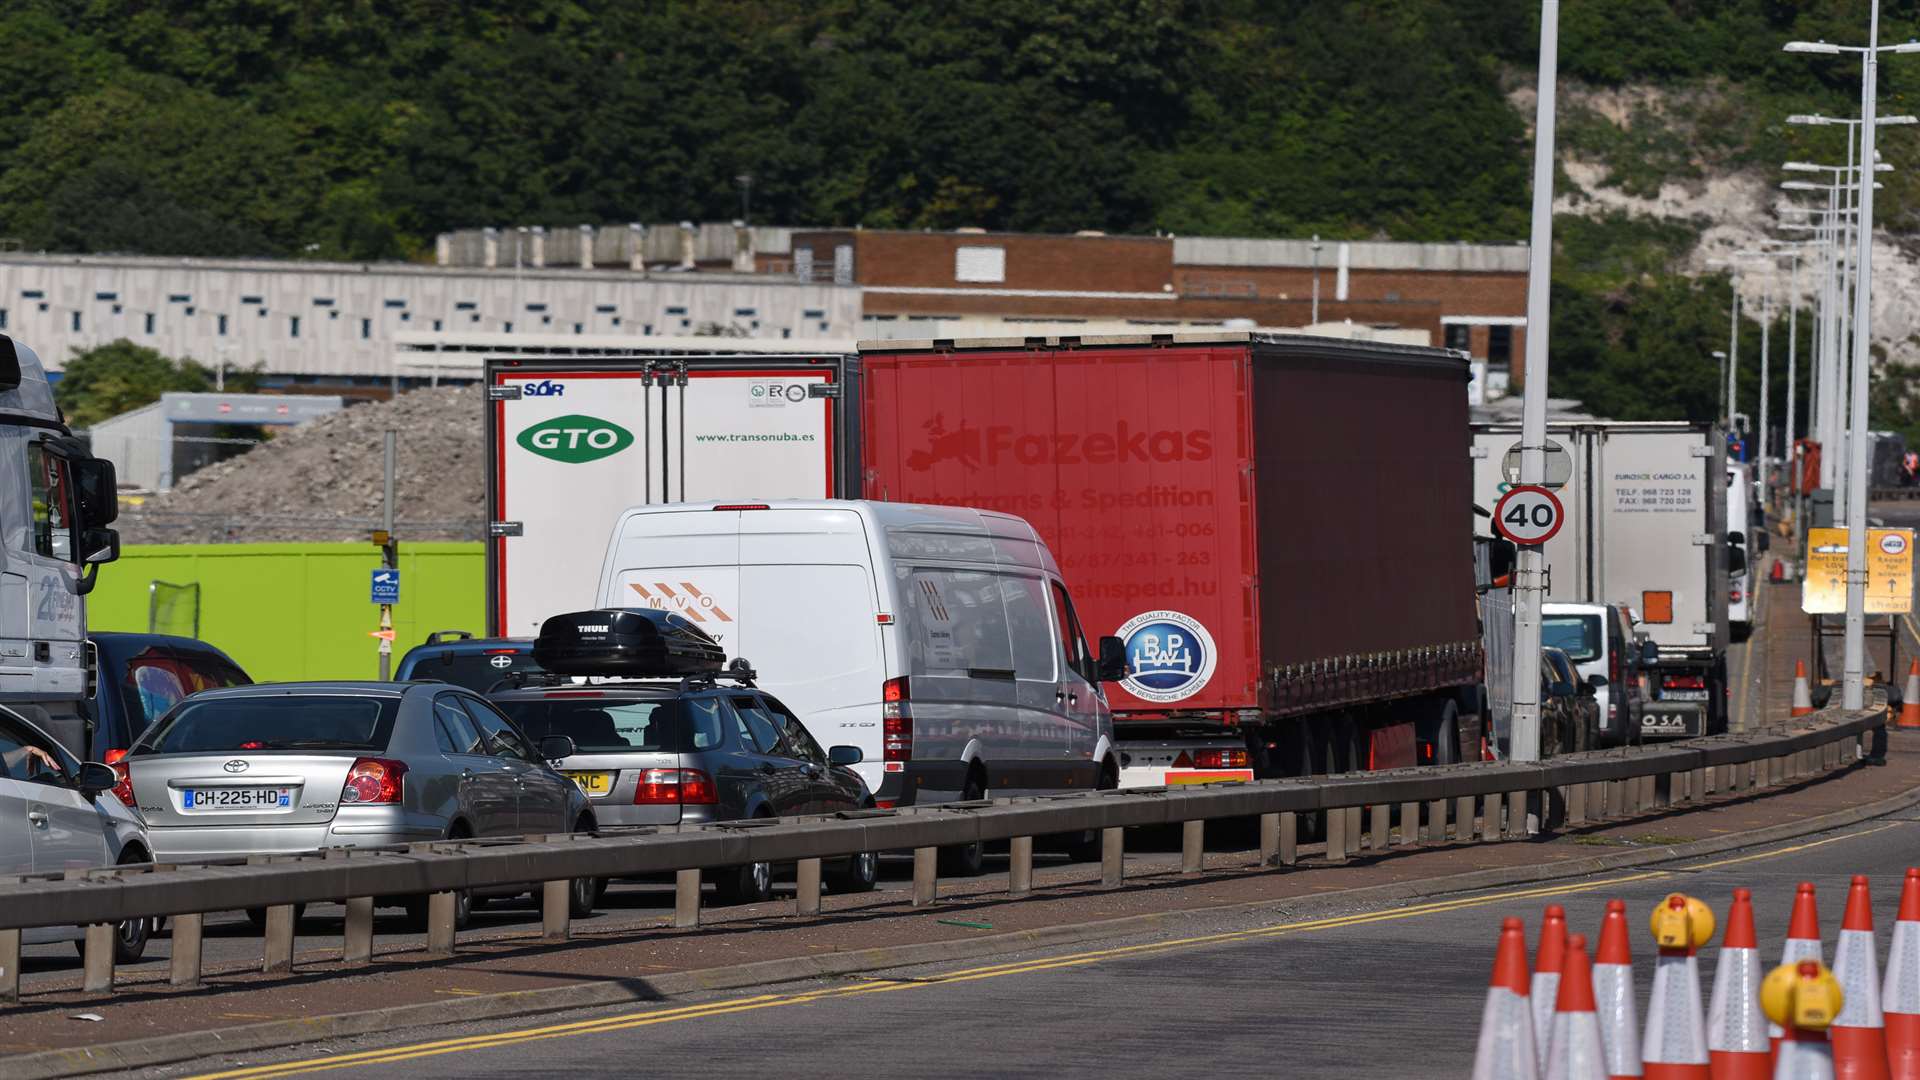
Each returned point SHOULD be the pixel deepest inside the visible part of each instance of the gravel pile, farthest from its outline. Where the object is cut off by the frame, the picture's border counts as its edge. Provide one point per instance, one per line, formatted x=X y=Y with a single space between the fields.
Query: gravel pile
x=322 y=480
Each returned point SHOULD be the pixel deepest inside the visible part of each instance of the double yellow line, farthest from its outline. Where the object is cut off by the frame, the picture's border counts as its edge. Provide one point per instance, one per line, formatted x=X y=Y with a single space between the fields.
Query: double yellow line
x=648 y=1018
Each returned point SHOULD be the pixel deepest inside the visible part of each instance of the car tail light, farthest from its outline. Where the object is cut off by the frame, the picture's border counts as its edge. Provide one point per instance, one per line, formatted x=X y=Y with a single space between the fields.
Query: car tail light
x=123 y=785
x=675 y=787
x=1219 y=759
x=1684 y=682
x=373 y=780
x=896 y=716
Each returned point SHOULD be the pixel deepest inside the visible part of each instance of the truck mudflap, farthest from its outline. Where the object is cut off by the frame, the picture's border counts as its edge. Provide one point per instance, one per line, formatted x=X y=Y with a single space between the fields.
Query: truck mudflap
x=1673 y=719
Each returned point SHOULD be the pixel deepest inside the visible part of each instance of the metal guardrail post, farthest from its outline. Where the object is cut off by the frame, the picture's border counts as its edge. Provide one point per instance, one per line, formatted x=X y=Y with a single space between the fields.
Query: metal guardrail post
x=1648 y=797
x=1336 y=830
x=1697 y=786
x=1113 y=856
x=356 y=945
x=806 y=889
x=98 y=976
x=1436 y=832
x=1020 y=866
x=184 y=961
x=1379 y=823
x=1193 y=846
x=926 y=875
x=1617 y=797
x=686 y=899
x=1576 y=804
x=276 y=945
x=556 y=910
x=1289 y=838
x=1517 y=814
x=1409 y=823
x=1490 y=816
x=9 y=966
x=440 y=923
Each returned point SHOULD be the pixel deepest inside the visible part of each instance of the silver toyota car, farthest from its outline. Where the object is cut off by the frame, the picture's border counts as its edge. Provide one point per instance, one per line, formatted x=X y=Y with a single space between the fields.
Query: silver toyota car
x=297 y=767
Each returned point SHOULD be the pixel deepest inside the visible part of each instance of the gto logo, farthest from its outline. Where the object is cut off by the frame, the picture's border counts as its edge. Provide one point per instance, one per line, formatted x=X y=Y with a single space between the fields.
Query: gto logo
x=543 y=388
x=576 y=439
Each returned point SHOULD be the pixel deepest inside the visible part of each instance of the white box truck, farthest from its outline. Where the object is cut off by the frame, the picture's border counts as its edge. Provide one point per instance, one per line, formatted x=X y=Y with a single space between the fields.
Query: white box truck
x=1646 y=526
x=573 y=442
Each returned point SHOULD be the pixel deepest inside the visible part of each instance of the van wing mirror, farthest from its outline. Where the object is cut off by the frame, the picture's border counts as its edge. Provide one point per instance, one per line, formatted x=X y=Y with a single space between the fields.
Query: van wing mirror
x=1736 y=560
x=1113 y=659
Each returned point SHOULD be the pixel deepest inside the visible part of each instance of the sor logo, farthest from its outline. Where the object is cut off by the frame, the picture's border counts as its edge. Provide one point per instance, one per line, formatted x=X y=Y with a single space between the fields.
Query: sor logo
x=1170 y=656
x=1893 y=544
x=543 y=388
x=576 y=439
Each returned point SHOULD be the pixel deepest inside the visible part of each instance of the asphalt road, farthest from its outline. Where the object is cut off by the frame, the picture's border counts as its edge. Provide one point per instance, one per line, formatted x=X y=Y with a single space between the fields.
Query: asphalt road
x=1391 y=992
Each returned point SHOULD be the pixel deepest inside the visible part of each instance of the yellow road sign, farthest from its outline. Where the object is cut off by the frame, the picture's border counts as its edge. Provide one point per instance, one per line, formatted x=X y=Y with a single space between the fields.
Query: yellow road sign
x=1823 y=589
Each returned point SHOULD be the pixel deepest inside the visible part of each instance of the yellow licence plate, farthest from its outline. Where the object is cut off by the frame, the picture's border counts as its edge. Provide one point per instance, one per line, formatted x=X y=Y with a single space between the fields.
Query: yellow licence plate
x=593 y=783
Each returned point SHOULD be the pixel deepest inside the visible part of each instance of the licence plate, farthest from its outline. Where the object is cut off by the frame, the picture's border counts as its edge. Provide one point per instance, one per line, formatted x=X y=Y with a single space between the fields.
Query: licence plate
x=593 y=783
x=236 y=798
x=1683 y=695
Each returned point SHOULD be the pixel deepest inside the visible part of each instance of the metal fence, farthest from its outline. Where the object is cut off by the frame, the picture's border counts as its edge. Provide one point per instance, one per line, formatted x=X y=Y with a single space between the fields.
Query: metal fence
x=1485 y=802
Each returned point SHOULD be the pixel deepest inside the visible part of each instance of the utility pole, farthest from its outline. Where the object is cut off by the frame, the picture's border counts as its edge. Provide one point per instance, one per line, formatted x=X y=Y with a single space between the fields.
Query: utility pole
x=1531 y=573
x=1733 y=348
x=1793 y=385
x=1766 y=357
x=389 y=558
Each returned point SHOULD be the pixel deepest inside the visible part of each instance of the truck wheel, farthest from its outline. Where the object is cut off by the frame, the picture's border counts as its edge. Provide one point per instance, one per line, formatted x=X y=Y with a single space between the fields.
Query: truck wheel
x=1446 y=735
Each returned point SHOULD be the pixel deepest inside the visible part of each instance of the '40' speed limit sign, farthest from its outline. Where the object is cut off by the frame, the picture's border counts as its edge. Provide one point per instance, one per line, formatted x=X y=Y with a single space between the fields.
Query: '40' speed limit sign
x=1528 y=515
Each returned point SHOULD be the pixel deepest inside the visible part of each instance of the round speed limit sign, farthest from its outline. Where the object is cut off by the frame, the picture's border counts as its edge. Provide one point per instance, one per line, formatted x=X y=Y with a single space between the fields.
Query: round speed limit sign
x=1528 y=515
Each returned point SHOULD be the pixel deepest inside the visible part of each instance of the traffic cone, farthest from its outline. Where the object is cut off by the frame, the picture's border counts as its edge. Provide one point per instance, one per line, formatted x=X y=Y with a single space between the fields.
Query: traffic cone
x=1576 y=1052
x=1613 y=991
x=1910 y=701
x=1736 y=1028
x=1803 y=943
x=1804 y=997
x=1546 y=977
x=1506 y=1024
x=1858 y=1033
x=1802 y=694
x=1779 y=572
x=1900 y=995
x=1676 y=1042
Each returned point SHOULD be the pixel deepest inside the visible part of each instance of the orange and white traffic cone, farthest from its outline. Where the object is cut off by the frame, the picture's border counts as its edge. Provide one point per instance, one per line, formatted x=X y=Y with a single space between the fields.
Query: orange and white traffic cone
x=1858 y=1033
x=1736 y=1028
x=1802 y=693
x=1900 y=994
x=1803 y=943
x=1547 y=961
x=1804 y=997
x=1576 y=1052
x=1506 y=1049
x=1613 y=994
x=1676 y=1042
x=1910 y=701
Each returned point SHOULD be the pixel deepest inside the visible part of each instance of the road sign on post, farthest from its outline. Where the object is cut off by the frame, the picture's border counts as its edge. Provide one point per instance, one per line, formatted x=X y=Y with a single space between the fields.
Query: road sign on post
x=1823 y=587
x=386 y=586
x=1528 y=515
x=1559 y=466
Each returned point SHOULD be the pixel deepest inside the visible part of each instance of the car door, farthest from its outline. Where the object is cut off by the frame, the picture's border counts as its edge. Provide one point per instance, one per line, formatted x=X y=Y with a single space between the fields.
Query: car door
x=543 y=793
x=16 y=797
x=489 y=791
x=1080 y=698
x=784 y=778
x=830 y=790
x=65 y=830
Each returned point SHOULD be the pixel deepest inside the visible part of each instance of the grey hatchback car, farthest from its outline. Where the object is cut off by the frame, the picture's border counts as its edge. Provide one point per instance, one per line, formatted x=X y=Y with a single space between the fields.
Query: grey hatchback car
x=297 y=767
x=681 y=752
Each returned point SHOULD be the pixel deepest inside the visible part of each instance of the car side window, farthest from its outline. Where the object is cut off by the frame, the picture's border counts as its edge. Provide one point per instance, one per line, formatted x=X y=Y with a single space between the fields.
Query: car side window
x=798 y=739
x=756 y=725
x=501 y=737
x=24 y=755
x=455 y=729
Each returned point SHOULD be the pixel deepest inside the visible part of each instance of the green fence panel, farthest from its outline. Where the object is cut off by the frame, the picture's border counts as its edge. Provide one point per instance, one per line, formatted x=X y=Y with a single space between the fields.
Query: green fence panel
x=297 y=611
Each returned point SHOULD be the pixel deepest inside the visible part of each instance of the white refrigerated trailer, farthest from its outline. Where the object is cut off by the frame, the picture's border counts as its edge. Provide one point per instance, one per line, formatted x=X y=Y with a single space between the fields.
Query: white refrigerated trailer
x=1646 y=527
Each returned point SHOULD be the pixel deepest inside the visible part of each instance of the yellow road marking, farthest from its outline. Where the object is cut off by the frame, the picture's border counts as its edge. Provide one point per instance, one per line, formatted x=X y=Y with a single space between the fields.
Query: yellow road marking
x=876 y=985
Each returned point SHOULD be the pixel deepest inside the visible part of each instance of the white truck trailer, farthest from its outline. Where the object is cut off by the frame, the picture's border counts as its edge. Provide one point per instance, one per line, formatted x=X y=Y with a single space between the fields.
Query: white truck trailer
x=1646 y=526
x=56 y=502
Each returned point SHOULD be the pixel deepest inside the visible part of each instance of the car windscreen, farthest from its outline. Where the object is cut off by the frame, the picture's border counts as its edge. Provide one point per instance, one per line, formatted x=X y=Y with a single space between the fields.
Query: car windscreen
x=1576 y=635
x=599 y=725
x=281 y=722
x=477 y=671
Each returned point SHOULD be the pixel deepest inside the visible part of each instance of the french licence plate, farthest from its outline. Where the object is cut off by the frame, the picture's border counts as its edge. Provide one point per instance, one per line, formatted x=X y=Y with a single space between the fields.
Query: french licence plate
x=593 y=783
x=235 y=798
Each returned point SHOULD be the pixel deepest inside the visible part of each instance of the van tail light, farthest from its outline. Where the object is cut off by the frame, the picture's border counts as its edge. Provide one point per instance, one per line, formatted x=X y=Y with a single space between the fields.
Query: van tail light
x=675 y=787
x=1684 y=682
x=1219 y=759
x=1615 y=661
x=373 y=781
x=123 y=783
x=896 y=717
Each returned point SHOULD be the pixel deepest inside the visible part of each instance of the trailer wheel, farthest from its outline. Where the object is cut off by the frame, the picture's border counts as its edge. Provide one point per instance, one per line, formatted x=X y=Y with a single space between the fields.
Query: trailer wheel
x=1446 y=734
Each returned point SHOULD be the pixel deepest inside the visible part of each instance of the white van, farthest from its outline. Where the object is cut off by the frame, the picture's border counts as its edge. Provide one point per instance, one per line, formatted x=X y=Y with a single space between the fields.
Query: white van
x=1739 y=535
x=939 y=640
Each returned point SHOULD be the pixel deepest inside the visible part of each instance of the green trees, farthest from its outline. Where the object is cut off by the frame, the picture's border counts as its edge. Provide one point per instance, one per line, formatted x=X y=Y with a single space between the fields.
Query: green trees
x=121 y=376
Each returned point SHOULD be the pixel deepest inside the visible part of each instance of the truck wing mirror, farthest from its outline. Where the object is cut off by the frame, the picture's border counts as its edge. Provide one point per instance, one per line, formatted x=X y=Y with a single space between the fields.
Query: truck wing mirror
x=1764 y=542
x=97 y=548
x=1649 y=652
x=1113 y=659
x=98 y=491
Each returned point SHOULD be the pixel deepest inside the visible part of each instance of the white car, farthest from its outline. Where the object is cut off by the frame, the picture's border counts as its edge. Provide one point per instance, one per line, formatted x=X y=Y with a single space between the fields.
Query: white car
x=939 y=640
x=59 y=814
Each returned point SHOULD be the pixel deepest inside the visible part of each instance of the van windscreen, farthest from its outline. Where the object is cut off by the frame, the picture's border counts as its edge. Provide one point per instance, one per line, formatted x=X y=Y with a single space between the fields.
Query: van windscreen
x=1576 y=635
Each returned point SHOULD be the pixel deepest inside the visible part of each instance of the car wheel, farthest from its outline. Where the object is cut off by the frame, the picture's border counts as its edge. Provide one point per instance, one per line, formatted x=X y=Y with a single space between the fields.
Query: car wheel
x=583 y=895
x=859 y=873
x=736 y=885
x=258 y=917
x=966 y=860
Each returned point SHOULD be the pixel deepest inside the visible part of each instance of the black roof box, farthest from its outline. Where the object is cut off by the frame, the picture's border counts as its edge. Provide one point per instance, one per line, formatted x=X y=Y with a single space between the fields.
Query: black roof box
x=637 y=643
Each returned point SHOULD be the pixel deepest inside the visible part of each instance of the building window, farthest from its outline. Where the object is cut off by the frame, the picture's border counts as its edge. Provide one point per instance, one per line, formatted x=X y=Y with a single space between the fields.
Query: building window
x=263 y=313
x=3 y=318
x=646 y=329
x=323 y=301
x=366 y=329
x=616 y=320
x=189 y=310
x=465 y=305
x=251 y=300
x=507 y=329
x=116 y=309
x=222 y=326
x=1500 y=348
x=786 y=332
x=745 y=312
x=578 y=329
x=436 y=324
x=676 y=311
x=813 y=313
x=108 y=297
x=179 y=298
x=293 y=325
x=76 y=322
x=334 y=314
x=605 y=309
x=33 y=294
x=149 y=322
x=475 y=317
x=406 y=316
x=396 y=303
x=980 y=264
x=1459 y=336
x=536 y=307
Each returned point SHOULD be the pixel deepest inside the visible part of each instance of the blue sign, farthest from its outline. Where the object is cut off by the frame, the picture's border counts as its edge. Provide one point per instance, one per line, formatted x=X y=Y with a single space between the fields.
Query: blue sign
x=386 y=586
x=1170 y=656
